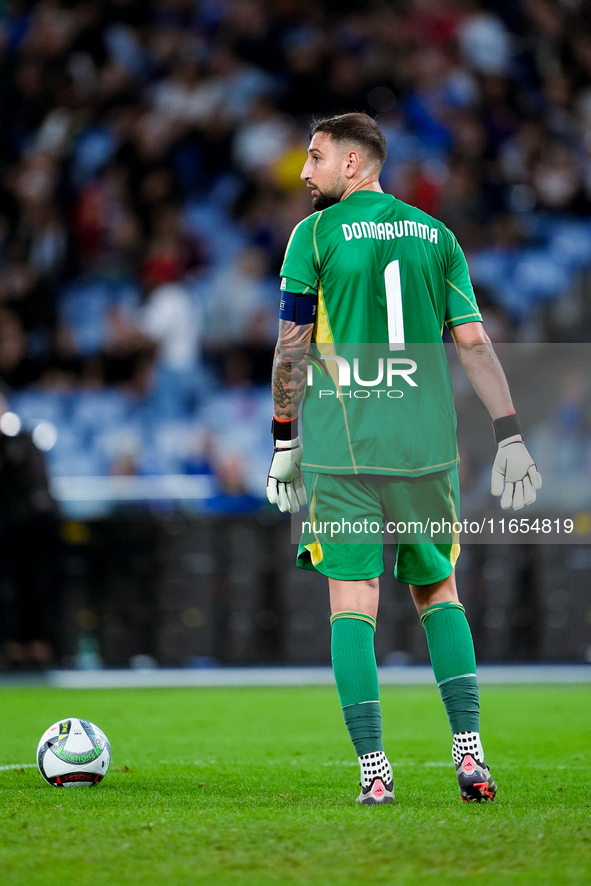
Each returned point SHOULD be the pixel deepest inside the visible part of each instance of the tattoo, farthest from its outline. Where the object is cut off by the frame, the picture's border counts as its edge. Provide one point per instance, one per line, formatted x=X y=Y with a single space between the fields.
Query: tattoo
x=289 y=368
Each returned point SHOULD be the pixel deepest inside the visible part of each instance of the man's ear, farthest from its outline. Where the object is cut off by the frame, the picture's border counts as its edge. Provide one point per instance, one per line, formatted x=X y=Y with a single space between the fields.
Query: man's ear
x=352 y=163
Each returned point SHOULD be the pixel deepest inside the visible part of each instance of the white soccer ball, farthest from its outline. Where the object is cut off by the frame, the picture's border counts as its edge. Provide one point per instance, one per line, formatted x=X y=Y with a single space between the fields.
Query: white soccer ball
x=73 y=752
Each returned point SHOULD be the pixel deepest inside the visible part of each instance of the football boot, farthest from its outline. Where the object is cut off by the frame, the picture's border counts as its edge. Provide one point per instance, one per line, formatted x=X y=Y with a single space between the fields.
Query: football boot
x=376 y=793
x=475 y=781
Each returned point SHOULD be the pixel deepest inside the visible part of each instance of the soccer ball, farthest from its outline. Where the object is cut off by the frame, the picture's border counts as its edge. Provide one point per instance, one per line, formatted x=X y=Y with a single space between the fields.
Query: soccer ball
x=73 y=752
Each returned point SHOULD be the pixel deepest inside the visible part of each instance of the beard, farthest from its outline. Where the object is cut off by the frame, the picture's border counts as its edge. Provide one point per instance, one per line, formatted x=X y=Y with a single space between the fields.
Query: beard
x=323 y=201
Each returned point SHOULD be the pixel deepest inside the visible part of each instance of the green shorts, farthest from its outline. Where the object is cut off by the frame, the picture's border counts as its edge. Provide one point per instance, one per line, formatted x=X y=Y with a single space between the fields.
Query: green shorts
x=342 y=537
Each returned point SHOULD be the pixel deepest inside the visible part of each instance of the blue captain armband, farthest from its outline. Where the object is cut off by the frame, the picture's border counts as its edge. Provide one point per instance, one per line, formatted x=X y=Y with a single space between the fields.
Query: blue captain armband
x=299 y=309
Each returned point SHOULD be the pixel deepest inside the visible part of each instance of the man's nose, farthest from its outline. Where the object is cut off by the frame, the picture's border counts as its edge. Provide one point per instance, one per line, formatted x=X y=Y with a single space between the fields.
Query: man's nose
x=304 y=175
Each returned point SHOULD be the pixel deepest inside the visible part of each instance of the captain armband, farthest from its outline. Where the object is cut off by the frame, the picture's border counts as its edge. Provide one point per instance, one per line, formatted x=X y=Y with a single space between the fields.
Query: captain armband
x=299 y=309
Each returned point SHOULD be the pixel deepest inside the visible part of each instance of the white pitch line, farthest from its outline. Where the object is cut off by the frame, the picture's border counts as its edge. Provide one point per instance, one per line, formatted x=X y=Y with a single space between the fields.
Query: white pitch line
x=439 y=764
x=18 y=766
x=393 y=763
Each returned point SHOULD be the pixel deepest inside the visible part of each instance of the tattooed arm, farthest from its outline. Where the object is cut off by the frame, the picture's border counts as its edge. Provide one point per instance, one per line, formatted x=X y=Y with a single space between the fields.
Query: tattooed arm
x=285 y=484
x=289 y=368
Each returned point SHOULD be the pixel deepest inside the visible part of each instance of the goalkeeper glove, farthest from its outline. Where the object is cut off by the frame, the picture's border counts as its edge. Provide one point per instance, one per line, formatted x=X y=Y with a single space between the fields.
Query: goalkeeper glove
x=285 y=485
x=515 y=476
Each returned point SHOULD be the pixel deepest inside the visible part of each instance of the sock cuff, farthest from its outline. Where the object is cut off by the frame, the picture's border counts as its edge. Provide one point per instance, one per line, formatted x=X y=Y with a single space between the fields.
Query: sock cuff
x=356 y=704
x=470 y=675
x=440 y=607
x=355 y=616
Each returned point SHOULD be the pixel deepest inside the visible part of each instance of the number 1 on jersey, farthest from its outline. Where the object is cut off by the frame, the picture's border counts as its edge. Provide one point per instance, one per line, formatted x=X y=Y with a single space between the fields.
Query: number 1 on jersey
x=394 y=306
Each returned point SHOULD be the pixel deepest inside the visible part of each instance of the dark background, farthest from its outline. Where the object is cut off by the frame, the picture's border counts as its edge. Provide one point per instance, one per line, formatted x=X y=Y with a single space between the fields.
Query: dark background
x=201 y=592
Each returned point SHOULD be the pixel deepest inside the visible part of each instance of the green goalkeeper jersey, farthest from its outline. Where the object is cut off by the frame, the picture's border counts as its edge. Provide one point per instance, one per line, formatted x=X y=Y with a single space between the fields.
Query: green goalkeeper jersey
x=379 y=397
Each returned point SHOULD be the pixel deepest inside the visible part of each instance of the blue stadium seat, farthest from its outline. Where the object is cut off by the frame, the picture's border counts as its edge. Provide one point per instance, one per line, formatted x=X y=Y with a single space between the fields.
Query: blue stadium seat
x=156 y=461
x=83 y=307
x=34 y=406
x=93 y=149
x=76 y=464
x=95 y=410
x=223 y=237
x=569 y=243
x=117 y=440
x=539 y=276
x=491 y=268
x=68 y=440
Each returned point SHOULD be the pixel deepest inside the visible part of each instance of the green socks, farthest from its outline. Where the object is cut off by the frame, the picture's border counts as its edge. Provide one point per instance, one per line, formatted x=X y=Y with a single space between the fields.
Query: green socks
x=356 y=676
x=454 y=664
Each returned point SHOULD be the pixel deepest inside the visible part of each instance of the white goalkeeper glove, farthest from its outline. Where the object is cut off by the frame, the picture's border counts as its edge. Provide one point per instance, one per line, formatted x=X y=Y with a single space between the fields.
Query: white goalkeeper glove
x=285 y=484
x=515 y=476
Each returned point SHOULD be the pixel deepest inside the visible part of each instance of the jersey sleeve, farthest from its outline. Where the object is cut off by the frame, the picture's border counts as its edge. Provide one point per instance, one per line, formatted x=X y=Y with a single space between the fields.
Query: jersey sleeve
x=460 y=301
x=300 y=269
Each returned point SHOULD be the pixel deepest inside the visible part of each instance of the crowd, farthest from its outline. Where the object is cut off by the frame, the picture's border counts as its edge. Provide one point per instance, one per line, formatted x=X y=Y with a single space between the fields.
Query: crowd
x=150 y=153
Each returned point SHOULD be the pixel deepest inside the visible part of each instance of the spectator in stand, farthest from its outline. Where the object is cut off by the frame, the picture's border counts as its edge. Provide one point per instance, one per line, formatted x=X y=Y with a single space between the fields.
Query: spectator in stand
x=17 y=367
x=557 y=180
x=241 y=312
x=172 y=317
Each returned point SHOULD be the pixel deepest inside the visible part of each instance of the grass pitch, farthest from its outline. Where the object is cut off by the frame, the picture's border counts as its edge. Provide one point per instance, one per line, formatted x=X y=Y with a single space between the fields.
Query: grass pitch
x=253 y=787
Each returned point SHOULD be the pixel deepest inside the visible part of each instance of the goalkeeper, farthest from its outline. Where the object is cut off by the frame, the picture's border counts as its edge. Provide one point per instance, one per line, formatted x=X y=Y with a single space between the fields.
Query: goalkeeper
x=367 y=268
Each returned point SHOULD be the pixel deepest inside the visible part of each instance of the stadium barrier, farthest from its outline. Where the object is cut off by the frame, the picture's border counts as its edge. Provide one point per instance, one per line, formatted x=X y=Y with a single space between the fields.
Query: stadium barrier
x=149 y=588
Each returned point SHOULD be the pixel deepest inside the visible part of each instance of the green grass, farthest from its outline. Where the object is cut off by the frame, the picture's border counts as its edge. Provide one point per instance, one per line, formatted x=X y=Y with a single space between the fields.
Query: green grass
x=256 y=786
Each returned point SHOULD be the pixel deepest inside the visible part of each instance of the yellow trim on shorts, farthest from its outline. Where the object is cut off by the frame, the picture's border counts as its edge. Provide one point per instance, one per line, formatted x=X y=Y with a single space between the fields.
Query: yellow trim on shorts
x=455 y=547
x=315 y=547
x=316 y=552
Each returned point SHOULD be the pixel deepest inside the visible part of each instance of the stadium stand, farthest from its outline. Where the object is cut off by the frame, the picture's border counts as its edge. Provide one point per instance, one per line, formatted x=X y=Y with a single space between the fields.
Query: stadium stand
x=149 y=160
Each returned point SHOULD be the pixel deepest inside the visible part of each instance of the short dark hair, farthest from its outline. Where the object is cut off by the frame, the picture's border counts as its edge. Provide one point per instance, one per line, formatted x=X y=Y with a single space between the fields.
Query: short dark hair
x=361 y=129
